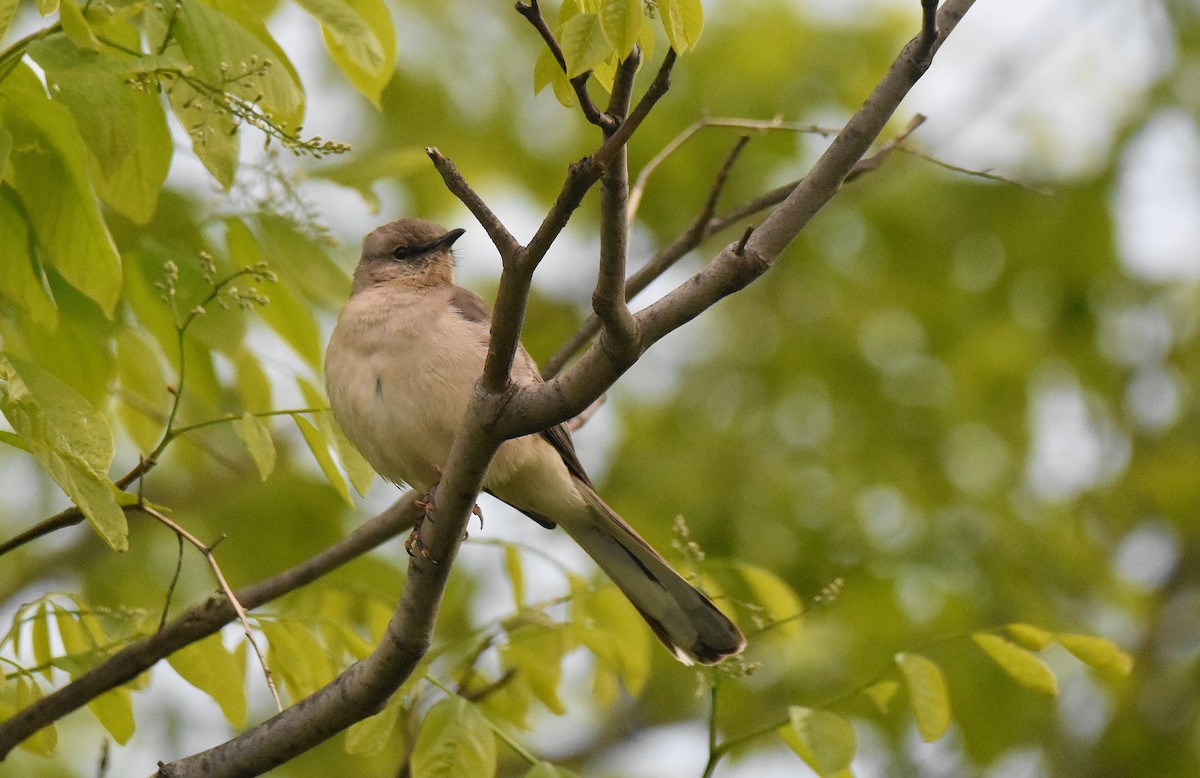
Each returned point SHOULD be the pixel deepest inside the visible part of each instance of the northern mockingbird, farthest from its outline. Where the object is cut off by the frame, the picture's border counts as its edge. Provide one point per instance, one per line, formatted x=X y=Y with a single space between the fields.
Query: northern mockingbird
x=400 y=369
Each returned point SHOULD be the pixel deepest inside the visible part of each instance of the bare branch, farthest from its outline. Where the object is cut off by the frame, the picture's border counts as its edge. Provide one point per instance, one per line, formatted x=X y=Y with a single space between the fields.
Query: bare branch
x=505 y=243
x=198 y=623
x=658 y=264
x=758 y=125
x=876 y=160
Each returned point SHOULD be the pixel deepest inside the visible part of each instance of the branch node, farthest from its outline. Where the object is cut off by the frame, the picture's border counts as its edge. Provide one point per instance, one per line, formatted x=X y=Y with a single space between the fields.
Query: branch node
x=740 y=249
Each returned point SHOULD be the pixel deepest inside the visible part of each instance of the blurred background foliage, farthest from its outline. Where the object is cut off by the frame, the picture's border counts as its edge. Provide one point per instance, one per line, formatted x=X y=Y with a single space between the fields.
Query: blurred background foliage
x=955 y=403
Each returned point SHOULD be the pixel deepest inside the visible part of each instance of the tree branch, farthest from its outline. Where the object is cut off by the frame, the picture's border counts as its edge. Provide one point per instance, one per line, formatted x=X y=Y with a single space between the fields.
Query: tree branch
x=198 y=623
x=533 y=14
x=533 y=408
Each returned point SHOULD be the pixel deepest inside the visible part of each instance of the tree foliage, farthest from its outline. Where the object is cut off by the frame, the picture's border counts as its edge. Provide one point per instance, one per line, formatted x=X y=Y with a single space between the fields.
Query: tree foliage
x=939 y=462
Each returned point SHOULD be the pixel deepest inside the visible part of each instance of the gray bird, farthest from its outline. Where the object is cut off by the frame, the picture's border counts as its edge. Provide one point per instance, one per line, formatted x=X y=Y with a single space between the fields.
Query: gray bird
x=400 y=369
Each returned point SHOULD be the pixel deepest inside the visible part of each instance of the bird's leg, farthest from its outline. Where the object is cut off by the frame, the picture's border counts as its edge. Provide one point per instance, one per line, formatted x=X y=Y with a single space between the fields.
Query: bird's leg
x=426 y=503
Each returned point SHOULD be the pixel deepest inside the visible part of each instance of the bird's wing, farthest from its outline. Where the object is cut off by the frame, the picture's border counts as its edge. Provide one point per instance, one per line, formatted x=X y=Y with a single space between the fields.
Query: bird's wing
x=472 y=308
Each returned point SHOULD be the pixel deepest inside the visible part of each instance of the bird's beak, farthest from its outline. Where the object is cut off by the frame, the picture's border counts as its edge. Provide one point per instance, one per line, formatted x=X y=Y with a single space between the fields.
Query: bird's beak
x=447 y=240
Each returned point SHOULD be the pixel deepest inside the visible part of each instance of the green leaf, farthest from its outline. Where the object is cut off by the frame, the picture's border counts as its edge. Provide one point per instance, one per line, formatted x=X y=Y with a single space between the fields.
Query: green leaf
x=547 y=770
x=355 y=465
x=50 y=414
x=1029 y=636
x=8 y=10
x=143 y=395
x=47 y=7
x=825 y=741
x=114 y=710
x=882 y=694
x=1022 y=666
x=40 y=639
x=255 y=435
x=369 y=736
x=516 y=574
x=320 y=451
x=226 y=54
x=583 y=43
x=610 y=627
x=683 y=21
x=216 y=671
x=76 y=26
x=70 y=439
x=49 y=171
x=927 y=694
x=546 y=70
x=454 y=741
x=20 y=279
x=1097 y=653
x=360 y=39
x=124 y=129
x=622 y=21
x=214 y=133
x=535 y=653
x=70 y=631
x=44 y=741
x=301 y=259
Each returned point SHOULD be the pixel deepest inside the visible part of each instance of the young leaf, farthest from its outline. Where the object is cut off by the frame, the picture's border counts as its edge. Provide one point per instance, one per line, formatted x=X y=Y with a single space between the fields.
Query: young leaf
x=216 y=671
x=70 y=439
x=114 y=710
x=50 y=175
x=44 y=741
x=18 y=280
x=882 y=694
x=8 y=10
x=40 y=638
x=355 y=465
x=1029 y=636
x=825 y=741
x=1096 y=652
x=621 y=21
x=369 y=736
x=143 y=392
x=256 y=437
x=583 y=44
x=536 y=653
x=547 y=71
x=360 y=39
x=454 y=741
x=927 y=694
x=683 y=21
x=320 y=451
x=516 y=575
x=1022 y=666
x=75 y=26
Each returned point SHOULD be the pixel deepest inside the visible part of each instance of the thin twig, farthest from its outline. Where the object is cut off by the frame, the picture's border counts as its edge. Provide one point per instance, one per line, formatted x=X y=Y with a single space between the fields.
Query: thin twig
x=876 y=160
x=226 y=588
x=505 y=243
x=757 y=125
x=166 y=611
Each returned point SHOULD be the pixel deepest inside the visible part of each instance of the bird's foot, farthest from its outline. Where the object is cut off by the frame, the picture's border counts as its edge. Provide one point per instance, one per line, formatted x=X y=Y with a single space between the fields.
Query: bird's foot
x=414 y=545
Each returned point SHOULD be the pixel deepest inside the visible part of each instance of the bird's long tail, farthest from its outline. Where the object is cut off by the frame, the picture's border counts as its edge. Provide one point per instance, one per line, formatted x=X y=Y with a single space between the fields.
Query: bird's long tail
x=685 y=620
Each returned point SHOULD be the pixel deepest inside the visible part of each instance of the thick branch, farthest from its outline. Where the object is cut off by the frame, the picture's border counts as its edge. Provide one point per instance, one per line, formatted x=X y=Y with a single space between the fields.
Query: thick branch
x=536 y=408
x=198 y=623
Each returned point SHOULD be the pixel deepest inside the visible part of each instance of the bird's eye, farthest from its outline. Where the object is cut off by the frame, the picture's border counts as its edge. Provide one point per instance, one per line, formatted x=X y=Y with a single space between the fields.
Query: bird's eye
x=408 y=252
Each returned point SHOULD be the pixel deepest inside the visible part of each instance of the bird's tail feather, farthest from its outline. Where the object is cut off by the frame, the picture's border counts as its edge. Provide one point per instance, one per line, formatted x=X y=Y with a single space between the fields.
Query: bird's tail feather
x=686 y=621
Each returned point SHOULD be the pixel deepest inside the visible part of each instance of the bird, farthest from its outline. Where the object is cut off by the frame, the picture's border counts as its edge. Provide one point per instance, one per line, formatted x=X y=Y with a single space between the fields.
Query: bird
x=400 y=369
